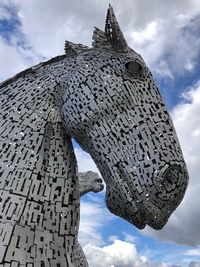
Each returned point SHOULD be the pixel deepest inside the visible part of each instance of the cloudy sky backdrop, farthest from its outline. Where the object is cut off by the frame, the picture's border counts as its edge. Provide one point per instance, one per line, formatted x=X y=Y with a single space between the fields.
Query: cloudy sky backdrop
x=167 y=35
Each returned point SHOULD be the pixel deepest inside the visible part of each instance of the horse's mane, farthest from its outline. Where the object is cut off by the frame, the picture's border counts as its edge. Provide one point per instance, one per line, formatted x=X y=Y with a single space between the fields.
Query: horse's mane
x=32 y=70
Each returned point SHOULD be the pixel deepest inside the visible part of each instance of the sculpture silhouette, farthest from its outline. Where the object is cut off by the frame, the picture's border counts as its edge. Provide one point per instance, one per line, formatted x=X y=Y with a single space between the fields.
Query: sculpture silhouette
x=105 y=97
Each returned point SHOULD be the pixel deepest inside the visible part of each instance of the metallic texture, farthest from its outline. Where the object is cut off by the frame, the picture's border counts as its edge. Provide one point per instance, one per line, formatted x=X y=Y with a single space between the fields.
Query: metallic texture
x=105 y=97
x=89 y=182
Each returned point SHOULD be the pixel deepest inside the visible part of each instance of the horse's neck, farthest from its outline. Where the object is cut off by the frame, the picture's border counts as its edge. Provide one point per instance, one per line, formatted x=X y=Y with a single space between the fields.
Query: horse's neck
x=38 y=185
x=32 y=135
x=29 y=104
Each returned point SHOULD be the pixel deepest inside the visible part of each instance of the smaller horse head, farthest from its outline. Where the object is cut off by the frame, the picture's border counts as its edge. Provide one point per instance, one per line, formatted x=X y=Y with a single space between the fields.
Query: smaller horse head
x=113 y=108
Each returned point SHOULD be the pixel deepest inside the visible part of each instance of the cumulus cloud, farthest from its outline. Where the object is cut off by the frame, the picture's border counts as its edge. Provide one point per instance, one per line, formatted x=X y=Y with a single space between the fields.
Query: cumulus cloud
x=118 y=254
x=4 y=13
x=183 y=226
x=125 y=254
x=193 y=252
x=160 y=41
x=93 y=217
x=47 y=24
x=11 y=60
x=122 y=254
x=154 y=29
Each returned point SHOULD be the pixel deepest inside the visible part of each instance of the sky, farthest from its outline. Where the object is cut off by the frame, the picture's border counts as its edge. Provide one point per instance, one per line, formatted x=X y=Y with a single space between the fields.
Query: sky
x=167 y=35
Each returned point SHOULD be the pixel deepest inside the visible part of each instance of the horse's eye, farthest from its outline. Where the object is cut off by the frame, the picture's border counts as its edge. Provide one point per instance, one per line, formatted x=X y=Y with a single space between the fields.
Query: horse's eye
x=133 y=67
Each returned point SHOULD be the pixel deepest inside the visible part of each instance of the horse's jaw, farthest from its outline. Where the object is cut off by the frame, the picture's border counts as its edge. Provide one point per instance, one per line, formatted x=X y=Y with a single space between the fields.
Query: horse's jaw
x=129 y=212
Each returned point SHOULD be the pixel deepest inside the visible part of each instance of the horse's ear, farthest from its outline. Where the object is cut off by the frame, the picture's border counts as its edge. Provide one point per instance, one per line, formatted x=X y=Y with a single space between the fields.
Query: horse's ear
x=113 y=32
x=72 y=49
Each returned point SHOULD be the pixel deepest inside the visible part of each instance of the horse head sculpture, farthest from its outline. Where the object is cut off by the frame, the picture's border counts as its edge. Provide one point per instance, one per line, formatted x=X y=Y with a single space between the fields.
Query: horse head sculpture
x=106 y=98
x=120 y=119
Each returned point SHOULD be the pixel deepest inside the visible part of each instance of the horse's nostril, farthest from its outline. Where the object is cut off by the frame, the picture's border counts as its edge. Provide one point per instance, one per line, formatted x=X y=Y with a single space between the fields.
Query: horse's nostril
x=172 y=176
x=173 y=184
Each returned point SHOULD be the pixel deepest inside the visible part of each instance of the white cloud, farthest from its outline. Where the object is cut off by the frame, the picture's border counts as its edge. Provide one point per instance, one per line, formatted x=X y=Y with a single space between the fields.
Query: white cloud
x=118 y=254
x=162 y=69
x=164 y=32
x=146 y=35
x=11 y=60
x=193 y=252
x=129 y=238
x=85 y=162
x=125 y=254
x=183 y=226
x=4 y=14
x=160 y=40
x=121 y=254
x=48 y=23
x=190 y=65
x=93 y=218
x=152 y=28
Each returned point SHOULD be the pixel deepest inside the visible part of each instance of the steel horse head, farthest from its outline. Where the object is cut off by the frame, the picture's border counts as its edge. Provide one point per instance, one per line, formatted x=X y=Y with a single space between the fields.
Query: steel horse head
x=114 y=110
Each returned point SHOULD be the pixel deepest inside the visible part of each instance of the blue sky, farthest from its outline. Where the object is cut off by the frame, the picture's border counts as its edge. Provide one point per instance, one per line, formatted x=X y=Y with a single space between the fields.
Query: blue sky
x=167 y=35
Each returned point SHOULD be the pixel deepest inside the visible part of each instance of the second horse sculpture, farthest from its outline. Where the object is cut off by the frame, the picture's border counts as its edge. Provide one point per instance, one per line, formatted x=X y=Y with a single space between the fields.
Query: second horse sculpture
x=105 y=97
